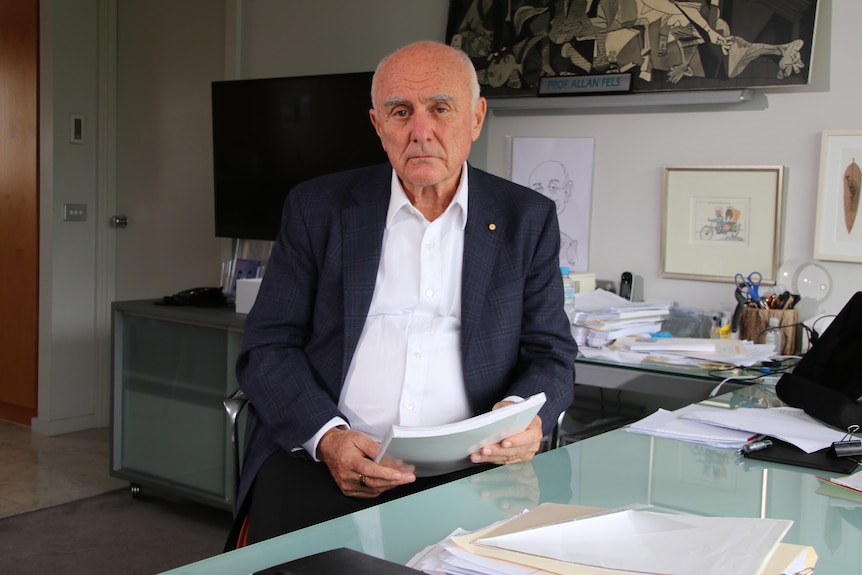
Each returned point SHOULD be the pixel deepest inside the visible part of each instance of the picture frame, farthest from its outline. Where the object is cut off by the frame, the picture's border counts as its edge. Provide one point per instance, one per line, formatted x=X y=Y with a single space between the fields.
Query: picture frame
x=838 y=230
x=718 y=221
x=669 y=46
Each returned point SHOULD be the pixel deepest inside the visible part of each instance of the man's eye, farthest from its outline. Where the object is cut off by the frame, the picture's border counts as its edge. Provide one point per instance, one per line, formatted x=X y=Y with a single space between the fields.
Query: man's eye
x=400 y=113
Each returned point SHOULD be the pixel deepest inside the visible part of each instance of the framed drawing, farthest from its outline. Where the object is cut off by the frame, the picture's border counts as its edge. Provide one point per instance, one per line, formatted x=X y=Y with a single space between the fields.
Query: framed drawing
x=720 y=221
x=838 y=231
x=663 y=46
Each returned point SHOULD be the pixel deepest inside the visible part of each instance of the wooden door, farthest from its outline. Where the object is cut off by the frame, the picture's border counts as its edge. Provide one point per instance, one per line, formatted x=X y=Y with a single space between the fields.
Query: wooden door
x=19 y=209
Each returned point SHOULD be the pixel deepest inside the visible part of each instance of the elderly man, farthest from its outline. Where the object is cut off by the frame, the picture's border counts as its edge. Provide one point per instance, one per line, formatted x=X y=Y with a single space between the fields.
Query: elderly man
x=417 y=293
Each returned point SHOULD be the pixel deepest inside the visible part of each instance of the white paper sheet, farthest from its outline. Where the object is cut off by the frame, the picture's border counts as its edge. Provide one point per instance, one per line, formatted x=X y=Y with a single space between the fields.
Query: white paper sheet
x=671 y=425
x=650 y=542
x=789 y=424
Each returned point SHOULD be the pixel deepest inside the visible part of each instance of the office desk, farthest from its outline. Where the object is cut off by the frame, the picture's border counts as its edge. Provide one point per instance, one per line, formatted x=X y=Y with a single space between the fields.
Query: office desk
x=610 y=470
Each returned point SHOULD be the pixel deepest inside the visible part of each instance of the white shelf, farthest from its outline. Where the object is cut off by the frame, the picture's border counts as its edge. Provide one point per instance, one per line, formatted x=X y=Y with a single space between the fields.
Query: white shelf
x=651 y=99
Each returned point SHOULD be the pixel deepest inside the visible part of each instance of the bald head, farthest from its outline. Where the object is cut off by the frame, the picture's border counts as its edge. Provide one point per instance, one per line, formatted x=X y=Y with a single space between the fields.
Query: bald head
x=446 y=54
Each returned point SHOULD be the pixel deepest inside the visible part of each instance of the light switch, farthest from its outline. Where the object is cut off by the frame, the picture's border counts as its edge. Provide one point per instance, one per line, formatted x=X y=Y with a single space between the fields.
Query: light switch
x=74 y=212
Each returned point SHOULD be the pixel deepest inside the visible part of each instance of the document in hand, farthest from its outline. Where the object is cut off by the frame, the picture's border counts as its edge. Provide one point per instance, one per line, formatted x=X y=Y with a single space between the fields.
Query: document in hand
x=439 y=449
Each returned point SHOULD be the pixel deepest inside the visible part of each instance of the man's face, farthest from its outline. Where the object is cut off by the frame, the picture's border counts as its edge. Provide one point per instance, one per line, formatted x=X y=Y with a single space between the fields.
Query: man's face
x=422 y=113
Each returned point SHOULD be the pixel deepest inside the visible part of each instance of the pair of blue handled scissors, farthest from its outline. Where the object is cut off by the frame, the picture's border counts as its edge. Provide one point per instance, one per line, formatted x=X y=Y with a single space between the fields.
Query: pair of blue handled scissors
x=750 y=285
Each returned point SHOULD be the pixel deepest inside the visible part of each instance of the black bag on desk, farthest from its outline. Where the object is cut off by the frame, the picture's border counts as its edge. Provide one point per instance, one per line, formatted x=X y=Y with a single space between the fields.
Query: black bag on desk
x=827 y=381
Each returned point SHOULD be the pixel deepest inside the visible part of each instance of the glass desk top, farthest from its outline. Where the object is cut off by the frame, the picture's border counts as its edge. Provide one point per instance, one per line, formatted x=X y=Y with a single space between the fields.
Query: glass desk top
x=610 y=470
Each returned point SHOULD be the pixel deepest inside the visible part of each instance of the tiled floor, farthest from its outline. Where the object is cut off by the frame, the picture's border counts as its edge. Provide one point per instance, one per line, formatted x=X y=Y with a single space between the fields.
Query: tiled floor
x=40 y=471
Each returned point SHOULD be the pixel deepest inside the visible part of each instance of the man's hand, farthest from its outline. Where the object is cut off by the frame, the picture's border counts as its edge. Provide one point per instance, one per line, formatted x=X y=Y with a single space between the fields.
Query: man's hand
x=519 y=447
x=349 y=455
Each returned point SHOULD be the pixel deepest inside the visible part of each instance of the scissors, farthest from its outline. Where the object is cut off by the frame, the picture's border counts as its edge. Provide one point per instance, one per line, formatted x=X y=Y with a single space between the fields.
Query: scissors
x=749 y=285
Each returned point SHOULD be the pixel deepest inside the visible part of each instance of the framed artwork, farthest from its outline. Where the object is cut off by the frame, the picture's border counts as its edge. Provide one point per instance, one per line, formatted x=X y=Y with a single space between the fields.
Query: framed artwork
x=561 y=169
x=664 y=45
x=838 y=231
x=720 y=221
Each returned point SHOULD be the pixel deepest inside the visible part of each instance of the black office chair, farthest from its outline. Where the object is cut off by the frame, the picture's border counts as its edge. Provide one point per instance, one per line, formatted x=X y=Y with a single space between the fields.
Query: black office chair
x=233 y=405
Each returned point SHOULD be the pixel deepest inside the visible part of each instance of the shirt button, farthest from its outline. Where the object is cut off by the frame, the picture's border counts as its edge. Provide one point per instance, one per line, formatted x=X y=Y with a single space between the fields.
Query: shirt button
x=429 y=293
x=429 y=245
x=417 y=353
x=409 y=405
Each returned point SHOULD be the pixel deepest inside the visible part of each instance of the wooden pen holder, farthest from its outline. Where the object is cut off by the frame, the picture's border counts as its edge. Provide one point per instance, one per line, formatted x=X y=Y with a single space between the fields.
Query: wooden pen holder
x=754 y=323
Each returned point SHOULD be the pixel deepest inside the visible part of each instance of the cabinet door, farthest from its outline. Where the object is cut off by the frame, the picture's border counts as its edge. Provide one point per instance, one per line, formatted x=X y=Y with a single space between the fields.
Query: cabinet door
x=173 y=378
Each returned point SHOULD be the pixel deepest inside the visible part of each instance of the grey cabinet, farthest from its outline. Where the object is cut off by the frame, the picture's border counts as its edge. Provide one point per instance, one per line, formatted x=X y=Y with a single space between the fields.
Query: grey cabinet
x=172 y=367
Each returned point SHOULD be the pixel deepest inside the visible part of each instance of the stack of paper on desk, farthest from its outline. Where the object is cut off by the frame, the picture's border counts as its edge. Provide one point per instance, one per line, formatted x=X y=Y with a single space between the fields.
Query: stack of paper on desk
x=576 y=540
x=734 y=427
x=673 y=425
x=726 y=351
x=610 y=316
x=438 y=449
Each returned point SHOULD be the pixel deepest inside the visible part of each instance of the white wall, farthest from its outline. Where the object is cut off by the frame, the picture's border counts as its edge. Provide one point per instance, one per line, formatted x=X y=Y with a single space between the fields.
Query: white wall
x=72 y=390
x=300 y=37
x=779 y=127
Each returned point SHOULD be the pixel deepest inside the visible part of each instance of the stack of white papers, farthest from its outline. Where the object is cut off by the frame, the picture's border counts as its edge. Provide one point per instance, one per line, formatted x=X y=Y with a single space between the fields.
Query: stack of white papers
x=673 y=425
x=721 y=351
x=576 y=540
x=735 y=427
x=609 y=316
x=438 y=449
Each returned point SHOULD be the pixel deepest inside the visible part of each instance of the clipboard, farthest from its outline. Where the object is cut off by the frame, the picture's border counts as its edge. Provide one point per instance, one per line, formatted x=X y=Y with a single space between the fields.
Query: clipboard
x=789 y=454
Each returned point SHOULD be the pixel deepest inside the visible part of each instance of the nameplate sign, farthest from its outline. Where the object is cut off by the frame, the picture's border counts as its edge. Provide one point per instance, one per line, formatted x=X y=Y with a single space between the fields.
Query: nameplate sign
x=594 y=84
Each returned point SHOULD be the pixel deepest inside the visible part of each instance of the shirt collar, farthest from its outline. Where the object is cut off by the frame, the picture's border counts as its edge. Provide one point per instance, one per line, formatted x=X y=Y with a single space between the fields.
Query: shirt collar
x=398 y=200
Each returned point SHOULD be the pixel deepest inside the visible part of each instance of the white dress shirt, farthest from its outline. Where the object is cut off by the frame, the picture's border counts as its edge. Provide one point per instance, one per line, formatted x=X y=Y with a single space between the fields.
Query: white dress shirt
x=407 y=366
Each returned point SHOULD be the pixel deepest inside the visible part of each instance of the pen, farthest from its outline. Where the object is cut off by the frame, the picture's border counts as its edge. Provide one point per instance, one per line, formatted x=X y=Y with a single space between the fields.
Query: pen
x=753 y=446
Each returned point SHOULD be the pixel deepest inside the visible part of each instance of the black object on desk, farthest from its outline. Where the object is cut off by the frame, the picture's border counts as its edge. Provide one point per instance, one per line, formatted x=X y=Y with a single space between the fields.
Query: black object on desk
x=339 y=562
x=787 y=453
x=827 y=381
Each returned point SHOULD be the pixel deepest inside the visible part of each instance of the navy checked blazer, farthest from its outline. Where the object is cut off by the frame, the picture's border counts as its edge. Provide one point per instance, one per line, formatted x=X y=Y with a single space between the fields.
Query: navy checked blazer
x=302 y=332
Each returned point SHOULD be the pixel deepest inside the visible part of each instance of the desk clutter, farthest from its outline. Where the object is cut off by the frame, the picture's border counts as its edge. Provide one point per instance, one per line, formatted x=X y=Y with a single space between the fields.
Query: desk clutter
x=608 y=326
x=778 y=434
x=579 y=540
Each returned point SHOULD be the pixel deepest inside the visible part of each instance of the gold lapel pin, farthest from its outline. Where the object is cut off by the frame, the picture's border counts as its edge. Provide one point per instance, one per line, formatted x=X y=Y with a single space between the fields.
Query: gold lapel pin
x=492 y=227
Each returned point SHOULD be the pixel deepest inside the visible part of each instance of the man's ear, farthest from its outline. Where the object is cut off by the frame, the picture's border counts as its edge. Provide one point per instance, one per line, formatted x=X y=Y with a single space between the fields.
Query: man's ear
x=373 y=115
x=479 y=117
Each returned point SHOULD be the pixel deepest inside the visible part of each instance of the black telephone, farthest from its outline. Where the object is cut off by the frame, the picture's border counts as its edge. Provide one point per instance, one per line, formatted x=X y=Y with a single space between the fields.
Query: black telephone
x=199 y=296
x=626 y=285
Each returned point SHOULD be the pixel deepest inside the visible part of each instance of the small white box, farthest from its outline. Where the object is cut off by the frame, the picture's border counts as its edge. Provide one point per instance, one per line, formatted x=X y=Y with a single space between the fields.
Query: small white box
x=246 y=293
x=584 y=282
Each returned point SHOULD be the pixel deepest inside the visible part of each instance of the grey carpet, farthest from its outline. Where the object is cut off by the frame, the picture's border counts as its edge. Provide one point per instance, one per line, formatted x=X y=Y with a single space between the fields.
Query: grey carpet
x=111 y=534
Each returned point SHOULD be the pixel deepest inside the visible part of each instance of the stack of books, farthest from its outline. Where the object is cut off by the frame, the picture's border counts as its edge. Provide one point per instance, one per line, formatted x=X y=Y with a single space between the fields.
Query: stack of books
x=608 y=317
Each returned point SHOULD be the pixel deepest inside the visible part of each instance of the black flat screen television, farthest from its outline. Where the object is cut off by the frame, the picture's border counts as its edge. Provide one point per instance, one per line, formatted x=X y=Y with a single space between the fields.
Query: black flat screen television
x=273 y=133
